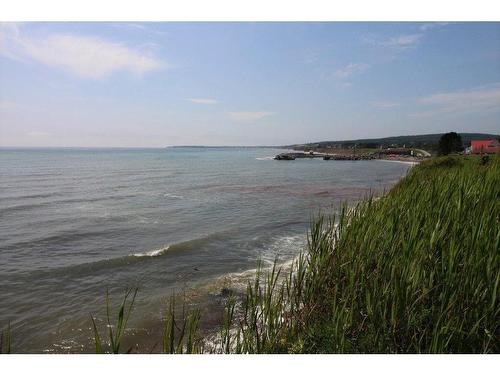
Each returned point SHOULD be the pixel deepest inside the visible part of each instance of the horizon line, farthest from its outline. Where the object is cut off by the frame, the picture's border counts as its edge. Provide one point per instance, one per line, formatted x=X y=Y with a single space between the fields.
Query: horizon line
x=233 y=146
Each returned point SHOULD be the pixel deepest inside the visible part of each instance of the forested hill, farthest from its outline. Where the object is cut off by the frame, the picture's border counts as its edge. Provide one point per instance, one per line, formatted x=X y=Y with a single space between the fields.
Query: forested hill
x=426 y=141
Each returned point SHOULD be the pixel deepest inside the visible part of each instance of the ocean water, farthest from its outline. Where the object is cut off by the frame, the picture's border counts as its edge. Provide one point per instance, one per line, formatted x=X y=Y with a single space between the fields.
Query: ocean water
x=77 y=222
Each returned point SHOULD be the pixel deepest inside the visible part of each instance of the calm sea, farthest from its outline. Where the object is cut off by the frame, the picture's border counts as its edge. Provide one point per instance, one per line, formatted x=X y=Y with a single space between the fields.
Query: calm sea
x=77 y=222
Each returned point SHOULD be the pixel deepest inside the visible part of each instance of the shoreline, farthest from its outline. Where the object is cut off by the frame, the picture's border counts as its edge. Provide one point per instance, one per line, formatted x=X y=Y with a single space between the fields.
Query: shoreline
x=300 y=154
x=411 y=162
x=153 y=252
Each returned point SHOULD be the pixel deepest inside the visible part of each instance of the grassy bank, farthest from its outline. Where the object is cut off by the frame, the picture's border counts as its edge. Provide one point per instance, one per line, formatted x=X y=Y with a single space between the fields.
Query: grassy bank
x=415 y=271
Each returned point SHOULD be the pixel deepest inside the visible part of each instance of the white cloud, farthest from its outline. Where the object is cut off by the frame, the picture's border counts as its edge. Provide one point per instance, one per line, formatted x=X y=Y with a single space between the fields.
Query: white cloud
x=351 y=69
x=432 y=25
x=248 y=116
x=395 y=44
x=402 y=41
x=84 y=56
x=147 y=27
x=203 y=100
x=384 y=104
x=484 y=98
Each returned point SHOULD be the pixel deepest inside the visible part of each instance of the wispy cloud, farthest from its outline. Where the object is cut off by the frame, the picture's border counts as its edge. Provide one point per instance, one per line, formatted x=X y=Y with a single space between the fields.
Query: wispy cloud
x=203 y=100
x=403 y=41
x=147 y=27
x=351 y=69
x=484 y=98
x=384 y=104
x=249 y=116
x=84 y=56
x=432 y=25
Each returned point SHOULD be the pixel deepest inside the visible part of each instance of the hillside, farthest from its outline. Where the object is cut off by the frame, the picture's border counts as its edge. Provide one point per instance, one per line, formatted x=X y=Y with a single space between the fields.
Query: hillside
x=424 y=141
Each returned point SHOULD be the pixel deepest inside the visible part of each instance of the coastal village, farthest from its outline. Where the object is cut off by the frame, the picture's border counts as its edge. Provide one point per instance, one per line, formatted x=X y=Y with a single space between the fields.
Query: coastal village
x=374 y=151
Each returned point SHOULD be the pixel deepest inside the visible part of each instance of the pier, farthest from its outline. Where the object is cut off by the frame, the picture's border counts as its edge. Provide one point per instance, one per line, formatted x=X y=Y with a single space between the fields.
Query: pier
x=324 y=156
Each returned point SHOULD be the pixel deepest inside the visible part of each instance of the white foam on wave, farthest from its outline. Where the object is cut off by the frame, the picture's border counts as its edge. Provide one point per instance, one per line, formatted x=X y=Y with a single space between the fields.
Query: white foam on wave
x=266 y=158
x=152 y=253
x=412 y=163
x=174 y=196
x=282 y=249
x=146 y=220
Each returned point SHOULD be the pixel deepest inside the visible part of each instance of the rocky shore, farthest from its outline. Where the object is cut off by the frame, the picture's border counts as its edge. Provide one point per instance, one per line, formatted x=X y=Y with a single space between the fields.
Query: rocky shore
x=328 y=156
x=324 y=156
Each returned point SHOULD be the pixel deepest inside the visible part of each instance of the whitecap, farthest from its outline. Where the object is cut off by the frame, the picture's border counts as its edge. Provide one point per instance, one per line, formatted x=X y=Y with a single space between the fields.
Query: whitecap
x=169 y=195
x=284 y=246
x=152 y=253
x=412 y=163
x=266 y=158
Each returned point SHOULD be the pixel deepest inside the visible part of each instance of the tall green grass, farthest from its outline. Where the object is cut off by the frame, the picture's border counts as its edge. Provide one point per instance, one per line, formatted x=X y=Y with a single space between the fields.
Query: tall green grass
x=5 y=337
x=415 y=271
x=115 y=335
x=180 y=334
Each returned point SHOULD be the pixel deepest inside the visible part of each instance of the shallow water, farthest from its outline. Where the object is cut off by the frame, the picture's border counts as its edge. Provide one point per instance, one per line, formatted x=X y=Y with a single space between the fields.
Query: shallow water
x=75 y=222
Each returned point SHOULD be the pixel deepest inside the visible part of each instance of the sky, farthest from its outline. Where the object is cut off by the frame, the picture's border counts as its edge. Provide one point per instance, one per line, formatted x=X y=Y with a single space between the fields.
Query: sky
x=161 y=84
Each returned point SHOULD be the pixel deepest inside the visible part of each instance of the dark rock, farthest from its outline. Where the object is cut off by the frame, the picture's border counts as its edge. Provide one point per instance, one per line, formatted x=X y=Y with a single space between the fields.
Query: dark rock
x=225 y=292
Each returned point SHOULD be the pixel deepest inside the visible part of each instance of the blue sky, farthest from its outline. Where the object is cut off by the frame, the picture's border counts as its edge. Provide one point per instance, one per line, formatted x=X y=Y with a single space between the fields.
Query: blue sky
x=158 y=84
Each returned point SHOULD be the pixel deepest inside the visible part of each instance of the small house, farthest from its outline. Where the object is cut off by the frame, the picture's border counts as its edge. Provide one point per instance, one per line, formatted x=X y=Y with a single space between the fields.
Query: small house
x=488 y=146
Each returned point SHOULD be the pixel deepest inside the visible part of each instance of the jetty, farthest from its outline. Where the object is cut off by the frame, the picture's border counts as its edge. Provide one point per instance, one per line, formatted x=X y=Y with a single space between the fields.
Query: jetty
x=324 y=156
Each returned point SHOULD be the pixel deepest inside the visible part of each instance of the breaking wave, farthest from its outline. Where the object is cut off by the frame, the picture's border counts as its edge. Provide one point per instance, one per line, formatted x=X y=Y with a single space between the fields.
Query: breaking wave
x=152 y=253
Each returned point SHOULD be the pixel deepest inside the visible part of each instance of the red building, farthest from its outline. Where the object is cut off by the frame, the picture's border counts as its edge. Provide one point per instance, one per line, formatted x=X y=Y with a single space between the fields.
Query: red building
x=489 y=146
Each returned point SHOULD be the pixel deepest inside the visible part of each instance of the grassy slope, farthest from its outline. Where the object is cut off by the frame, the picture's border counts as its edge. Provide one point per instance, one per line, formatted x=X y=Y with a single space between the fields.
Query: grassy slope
x=418 y=270
x=415 y=271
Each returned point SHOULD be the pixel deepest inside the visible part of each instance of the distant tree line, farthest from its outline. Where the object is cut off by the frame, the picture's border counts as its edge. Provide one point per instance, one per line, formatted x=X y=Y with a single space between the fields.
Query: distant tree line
x=435 y=143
